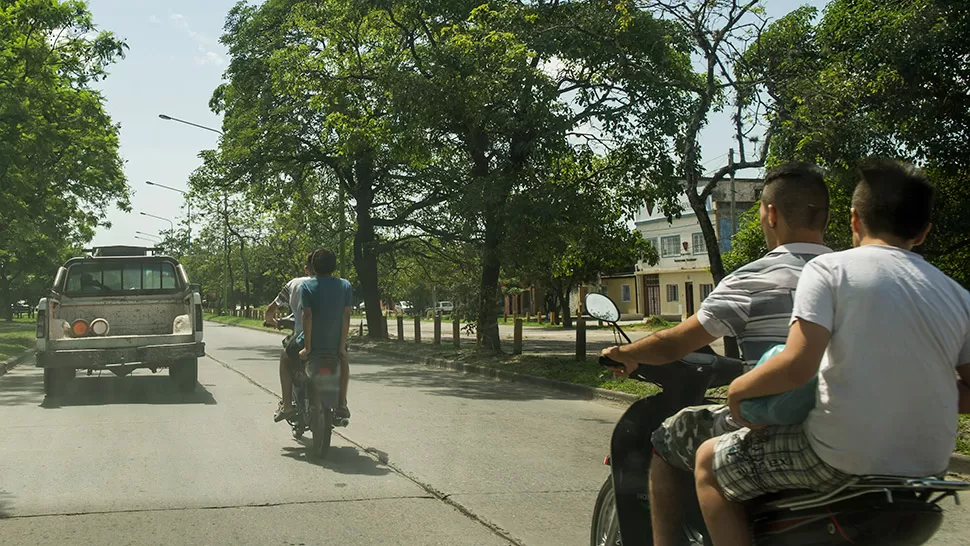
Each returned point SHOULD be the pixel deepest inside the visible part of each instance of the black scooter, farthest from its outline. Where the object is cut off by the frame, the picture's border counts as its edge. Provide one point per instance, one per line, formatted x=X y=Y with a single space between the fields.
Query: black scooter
x=869 y=510
x=316 y=389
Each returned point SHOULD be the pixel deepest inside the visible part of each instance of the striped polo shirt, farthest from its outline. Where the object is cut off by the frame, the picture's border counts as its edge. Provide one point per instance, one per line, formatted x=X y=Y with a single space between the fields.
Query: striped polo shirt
x=754 y=304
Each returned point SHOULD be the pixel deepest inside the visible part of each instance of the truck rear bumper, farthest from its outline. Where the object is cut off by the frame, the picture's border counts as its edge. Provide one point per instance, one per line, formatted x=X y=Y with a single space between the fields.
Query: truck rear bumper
x=99 y=358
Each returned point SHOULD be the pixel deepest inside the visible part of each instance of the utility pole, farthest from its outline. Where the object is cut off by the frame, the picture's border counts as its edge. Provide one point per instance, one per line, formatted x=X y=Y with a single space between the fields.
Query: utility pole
x=225 y=242
x=342 y=229
x=734 y=215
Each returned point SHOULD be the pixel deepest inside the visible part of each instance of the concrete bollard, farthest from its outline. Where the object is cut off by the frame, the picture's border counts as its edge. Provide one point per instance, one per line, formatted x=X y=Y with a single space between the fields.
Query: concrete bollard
x=437 y=329
x=400 y=327
x=580 y=338
x=417 y=329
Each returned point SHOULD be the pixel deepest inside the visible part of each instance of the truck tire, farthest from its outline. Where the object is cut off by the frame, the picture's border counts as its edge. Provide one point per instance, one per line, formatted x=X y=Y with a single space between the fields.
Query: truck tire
x=185 y=373
x=56 y=380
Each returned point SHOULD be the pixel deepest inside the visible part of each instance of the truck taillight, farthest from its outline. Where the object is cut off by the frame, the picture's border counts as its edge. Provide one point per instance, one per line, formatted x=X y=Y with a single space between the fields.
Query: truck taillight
x=41 y=324
x=198 y=317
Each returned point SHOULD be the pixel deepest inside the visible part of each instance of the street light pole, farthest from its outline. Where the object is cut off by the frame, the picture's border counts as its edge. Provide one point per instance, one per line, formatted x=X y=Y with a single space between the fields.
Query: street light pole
x=188 y=202
x=170 y=222
x=226 y=228
x=148 y=234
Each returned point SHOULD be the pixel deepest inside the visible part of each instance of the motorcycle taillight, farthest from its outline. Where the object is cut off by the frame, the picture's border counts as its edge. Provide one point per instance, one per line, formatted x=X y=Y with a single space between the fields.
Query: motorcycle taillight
x=324 y=371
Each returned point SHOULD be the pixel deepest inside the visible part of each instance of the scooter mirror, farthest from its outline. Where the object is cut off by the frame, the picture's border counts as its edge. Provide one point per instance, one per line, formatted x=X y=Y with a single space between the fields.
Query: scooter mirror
x=602 y=307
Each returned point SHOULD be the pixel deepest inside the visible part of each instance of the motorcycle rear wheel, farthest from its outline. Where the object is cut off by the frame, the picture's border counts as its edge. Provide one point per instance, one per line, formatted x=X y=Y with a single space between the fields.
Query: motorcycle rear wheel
x=321 y=426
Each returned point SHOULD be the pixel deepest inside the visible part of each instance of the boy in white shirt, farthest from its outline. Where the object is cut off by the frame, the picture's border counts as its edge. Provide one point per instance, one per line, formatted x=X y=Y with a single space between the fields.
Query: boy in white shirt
x=886 y=332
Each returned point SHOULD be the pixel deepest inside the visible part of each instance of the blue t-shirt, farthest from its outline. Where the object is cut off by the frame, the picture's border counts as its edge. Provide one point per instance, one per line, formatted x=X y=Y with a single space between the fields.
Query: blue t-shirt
x=327 y=297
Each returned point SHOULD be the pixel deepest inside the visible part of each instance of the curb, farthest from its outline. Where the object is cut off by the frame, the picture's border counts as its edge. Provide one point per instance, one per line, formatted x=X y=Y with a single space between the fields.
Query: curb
x=583 y=391
x=958 y=463
x=9 y=364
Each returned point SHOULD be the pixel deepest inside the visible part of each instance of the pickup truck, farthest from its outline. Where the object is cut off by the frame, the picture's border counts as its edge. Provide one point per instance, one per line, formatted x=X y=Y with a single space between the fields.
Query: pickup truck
x=120 y=309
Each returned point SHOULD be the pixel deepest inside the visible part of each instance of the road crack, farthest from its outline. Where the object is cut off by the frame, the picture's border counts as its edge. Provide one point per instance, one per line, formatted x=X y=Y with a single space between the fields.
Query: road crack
x=382 y=458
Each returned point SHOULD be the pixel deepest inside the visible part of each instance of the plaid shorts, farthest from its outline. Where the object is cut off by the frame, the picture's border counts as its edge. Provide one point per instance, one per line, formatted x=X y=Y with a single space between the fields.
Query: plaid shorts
x=750 y=463
x=679 y=437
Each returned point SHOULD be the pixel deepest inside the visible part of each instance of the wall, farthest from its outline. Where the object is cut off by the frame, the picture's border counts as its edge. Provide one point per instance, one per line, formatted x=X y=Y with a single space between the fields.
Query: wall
x=678 y=309
x=614 y=289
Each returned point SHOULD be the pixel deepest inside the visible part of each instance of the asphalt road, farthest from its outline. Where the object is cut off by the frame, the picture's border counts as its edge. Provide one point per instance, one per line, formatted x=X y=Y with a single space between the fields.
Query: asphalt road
x=430 y=457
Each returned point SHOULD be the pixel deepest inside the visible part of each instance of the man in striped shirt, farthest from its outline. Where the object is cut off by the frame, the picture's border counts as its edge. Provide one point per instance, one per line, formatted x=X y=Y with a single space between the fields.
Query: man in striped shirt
x=753 y=304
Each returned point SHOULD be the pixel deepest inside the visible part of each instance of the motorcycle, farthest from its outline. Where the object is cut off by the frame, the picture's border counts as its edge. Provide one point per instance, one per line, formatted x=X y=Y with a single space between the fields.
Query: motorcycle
x=868 y=510
x=316 y=391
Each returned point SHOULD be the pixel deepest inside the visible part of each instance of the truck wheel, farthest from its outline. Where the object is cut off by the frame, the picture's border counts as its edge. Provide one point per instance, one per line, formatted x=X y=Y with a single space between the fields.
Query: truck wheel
x=56 y=380
x=185 y=373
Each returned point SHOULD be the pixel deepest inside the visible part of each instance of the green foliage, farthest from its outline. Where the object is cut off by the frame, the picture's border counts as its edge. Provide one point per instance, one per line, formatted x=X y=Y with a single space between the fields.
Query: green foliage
x=876 y=78
x=59 y=162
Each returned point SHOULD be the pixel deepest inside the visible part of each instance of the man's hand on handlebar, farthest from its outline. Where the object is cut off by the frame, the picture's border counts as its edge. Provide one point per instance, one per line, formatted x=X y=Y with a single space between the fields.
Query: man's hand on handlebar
x=304 y=354
x=615 y=354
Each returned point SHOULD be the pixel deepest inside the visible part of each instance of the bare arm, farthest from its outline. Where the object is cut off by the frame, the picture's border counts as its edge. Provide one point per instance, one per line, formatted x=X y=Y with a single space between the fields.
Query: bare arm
x=791 y=368
x=307 y=328
x=270 y=316
x=344 y=331
x=662 y=347
x=963 y=384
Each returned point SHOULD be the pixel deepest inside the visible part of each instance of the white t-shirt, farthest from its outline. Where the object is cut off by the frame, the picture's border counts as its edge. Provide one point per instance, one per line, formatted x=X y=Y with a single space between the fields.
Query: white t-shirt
x=887 y=394
x=290 y=296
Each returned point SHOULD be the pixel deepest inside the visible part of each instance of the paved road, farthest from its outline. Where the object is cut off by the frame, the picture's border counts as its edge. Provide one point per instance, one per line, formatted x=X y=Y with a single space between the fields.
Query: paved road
x=431 y=457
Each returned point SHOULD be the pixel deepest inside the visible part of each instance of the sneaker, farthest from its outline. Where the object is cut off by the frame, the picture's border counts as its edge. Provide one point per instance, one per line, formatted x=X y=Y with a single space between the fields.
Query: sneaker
x=284 y=413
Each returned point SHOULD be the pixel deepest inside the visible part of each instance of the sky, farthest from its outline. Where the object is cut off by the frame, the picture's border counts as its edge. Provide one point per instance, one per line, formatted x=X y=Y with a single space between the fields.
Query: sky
x=174 y=63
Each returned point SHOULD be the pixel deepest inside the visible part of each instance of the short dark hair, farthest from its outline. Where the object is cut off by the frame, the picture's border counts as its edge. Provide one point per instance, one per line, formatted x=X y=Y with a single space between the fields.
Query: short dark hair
x=798 y=191
x=893 y=198
x=309 y=261
x=324 y=261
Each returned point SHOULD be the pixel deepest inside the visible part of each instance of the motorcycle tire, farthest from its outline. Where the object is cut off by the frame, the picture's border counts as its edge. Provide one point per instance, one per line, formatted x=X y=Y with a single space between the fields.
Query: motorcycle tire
x=605 y=530
x=321 y=426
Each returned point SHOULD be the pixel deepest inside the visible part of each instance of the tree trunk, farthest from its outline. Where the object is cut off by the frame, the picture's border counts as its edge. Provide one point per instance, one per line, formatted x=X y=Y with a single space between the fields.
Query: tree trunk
x=365 y=247
x=6 y=313
x=488 y=332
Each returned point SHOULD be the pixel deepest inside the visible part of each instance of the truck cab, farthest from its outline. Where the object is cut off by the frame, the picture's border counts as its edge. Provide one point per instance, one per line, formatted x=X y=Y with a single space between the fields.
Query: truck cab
x=120 y=309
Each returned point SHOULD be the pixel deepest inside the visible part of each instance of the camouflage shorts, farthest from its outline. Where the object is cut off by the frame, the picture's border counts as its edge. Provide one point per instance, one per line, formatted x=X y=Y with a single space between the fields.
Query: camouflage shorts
x=679 y=437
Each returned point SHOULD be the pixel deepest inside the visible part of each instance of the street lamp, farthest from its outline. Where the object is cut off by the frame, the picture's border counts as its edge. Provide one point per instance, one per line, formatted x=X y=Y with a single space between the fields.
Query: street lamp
x=225 y=233
x=170 y=118
x=170 y=222
x=145 y=239
x=188 y=243
x=148 y=234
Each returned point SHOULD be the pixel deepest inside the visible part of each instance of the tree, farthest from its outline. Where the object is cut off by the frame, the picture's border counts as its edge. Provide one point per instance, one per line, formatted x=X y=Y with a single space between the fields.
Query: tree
x=572 y=230
x=875 y=78
x=59 y=162
x=309 y=86
x=510 y=86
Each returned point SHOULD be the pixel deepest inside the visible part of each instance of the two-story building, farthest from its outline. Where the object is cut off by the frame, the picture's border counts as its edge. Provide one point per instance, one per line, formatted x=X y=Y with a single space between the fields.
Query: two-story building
x=679 y=282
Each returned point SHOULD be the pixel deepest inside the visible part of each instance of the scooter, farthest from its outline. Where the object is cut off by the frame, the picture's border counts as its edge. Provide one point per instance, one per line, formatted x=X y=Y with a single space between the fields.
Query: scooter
x=316 y=391
x=868 y=510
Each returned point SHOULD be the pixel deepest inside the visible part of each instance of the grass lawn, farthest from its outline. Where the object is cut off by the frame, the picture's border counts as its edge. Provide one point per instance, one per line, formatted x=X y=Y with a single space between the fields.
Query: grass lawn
x=16 y=337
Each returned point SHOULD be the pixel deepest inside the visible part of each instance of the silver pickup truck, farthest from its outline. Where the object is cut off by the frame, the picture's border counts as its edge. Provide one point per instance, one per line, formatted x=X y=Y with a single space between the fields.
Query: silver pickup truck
x=120 y=309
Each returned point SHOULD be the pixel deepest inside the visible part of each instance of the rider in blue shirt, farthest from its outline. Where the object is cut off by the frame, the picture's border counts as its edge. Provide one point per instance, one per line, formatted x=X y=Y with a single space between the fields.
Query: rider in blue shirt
x=326 y=318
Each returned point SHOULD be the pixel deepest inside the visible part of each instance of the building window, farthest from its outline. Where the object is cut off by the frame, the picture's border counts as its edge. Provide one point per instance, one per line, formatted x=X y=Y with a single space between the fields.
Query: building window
x=625 y=293
x=670 y=246
x=706 y=290
x=700 y=247
x=652 y=241
x=672 y=292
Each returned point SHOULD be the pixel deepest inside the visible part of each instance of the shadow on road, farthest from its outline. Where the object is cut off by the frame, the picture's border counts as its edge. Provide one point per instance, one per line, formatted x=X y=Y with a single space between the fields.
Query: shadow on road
x=458 y=385
x=104 y=390
x=5 y=504
x=341 y=459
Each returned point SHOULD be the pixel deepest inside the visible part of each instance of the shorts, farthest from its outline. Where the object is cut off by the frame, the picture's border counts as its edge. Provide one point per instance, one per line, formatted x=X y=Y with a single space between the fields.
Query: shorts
x=292 y=348
x=751 y=463
x=676 y=441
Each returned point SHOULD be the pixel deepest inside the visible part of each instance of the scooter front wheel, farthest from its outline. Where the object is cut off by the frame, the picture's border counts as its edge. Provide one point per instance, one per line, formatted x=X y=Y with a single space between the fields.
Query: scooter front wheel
x=606 y=525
